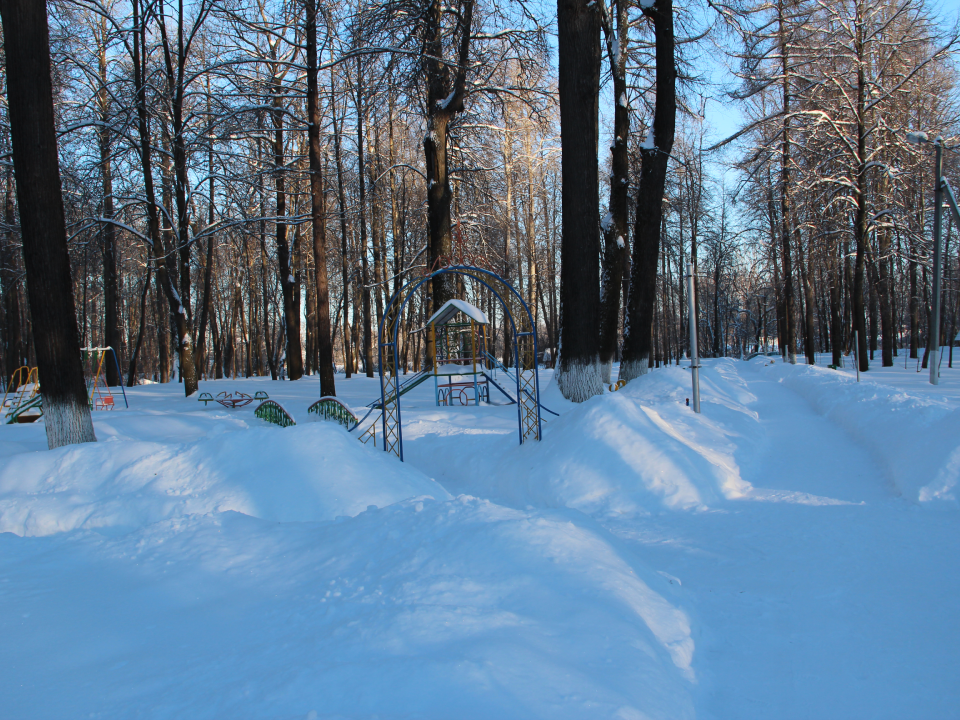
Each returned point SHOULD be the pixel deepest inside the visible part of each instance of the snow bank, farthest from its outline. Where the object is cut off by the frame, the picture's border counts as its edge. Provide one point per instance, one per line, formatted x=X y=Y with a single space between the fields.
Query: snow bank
x=637 y=450
x=427 y=609
x=917 y=438
x=308 y=472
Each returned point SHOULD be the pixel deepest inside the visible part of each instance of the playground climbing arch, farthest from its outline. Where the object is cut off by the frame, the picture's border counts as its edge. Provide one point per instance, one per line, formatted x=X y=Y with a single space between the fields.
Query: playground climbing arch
x=524 y=373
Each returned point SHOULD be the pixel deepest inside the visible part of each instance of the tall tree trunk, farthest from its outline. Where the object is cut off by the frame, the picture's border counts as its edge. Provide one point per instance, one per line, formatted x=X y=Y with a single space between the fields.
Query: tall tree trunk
x=809 y=304
x=108 y=232
x=288 y=283
x=507 y=149
x=319 y=210
x=14 y=347
x=836 y=318
x=578 y=374
x=885 y=289
x=362 y=200
x=786 y=209
x=344 y=249
x=163 y=256
x=653 y=173
x=43 y=223
x=860 y=222
x=616 y=248
x=444 y=100
x=135 y=355
x=205 y=305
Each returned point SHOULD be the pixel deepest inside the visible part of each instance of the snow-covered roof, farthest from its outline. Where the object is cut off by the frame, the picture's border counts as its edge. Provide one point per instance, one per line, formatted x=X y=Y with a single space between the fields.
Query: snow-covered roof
x=451 y=369
x=452 y=307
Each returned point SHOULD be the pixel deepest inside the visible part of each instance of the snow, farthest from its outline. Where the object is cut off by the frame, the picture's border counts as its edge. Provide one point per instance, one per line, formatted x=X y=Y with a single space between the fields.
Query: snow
x=451 y=369
x=265 y=472
x=648 y=142
x=451 y=307
x=789 y=553
x=622 y=102
x=445 y=103
x=607 y=222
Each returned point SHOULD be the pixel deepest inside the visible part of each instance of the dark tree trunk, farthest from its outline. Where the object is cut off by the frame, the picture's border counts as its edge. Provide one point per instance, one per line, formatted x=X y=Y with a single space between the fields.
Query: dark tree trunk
x=616 y=247
x=324 y=337
x=163 y=257
x=344 y=250
x=217 y=344
x=288 y=283
x=108 y=231
x=809 y=304
x=914 y=302
x=43 y=224
x=637 y=341
x=135 y=355
x=789 y=320
x=362 y=201
x=175 y=67
x=885 y=290
x=860 y=223
x=445 y=96
x=14 y=347
x=578 y=374
x=205 y=305
x=836 y=318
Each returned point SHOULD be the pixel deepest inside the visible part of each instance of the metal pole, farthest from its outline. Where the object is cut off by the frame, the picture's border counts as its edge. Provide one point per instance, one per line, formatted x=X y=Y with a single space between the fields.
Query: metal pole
x=694 y=353
x=935 y=306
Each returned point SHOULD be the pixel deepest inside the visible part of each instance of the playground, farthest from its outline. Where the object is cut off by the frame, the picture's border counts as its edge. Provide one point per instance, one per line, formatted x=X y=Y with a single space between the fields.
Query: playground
x=637 y=558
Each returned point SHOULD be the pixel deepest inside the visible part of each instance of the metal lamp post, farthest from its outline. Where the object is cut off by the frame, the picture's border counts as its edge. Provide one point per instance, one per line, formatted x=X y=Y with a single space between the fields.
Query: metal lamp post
x=694 y=353
x=939 y=181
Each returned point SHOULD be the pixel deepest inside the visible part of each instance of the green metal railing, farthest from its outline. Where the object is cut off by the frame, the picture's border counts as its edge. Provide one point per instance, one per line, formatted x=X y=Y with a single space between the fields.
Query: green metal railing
x=23 y=412
x=273 y=412
x=330 y=408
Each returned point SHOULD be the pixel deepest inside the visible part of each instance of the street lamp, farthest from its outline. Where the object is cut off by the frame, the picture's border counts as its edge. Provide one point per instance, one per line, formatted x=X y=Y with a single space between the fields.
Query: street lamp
x=694 y=352
x=940 y=185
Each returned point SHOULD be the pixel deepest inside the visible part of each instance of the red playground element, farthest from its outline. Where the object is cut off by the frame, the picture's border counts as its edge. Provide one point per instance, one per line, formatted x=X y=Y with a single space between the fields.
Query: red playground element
x=233 y=400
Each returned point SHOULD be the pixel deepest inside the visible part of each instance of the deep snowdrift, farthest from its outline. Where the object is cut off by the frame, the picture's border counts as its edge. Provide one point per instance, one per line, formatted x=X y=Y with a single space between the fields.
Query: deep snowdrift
x=248 y=572
x=638 y=451
x=314 y=471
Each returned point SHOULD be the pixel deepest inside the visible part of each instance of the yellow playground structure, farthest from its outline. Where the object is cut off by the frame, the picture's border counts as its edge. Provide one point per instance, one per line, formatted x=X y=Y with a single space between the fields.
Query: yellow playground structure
x=21 y=401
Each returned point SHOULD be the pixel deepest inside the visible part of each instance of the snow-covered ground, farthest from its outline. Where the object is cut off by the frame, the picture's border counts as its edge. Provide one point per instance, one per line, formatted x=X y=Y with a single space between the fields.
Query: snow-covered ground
x=789 y=553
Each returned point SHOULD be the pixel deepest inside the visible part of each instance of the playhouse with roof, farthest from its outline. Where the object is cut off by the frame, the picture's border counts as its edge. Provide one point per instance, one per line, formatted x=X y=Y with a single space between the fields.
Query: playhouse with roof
x=457 y=353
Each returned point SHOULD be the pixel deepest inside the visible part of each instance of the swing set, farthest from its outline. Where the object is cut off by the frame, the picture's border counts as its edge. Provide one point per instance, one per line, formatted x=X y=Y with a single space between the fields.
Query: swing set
x=99 y=394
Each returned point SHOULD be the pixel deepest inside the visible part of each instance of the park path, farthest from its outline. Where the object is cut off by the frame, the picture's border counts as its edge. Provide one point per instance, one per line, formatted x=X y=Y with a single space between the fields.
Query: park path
x=814 y=610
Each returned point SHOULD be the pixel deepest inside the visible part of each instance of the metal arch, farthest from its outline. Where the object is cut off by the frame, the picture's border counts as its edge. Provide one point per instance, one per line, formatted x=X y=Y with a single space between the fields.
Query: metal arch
x=528 y=383
x=394 y=440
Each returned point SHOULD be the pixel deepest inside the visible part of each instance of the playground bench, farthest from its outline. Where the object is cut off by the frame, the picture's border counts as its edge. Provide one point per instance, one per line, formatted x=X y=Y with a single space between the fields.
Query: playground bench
x=462 y=391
